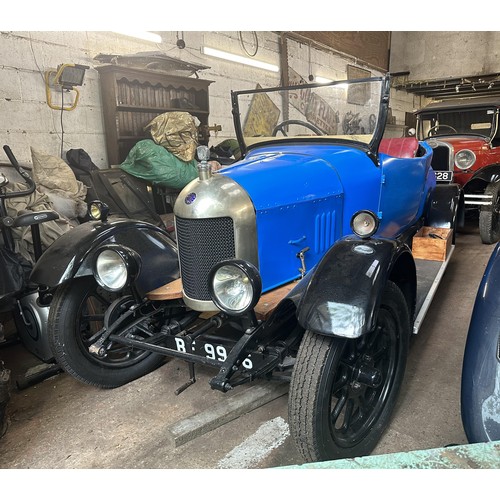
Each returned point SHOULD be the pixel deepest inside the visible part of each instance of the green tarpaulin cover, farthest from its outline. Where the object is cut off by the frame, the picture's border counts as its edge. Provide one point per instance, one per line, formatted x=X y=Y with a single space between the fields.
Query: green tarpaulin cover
x=151 y=162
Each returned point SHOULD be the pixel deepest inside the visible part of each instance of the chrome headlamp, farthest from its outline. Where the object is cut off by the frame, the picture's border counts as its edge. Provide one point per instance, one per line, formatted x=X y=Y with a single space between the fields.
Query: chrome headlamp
x=364 y=223
x=115 y=267
x=235 y=286
x=464 y=159
x=97 y=210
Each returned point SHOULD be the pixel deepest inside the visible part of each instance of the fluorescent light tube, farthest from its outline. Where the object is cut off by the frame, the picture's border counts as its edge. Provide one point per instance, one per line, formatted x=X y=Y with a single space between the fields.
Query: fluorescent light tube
x=143 y=35
x=320 y=79
x=209 y=51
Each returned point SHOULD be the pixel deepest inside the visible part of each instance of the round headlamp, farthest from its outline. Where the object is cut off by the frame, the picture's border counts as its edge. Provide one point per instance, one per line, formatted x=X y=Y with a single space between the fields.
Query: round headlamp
x=235 y=286
x=115 y=267
x=98 y=210
x=465 y=159
x=364 y=223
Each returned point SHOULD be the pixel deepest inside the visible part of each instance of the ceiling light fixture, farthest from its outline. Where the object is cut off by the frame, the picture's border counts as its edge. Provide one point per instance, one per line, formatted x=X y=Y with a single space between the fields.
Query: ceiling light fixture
x=143 y=35
x=209 y=51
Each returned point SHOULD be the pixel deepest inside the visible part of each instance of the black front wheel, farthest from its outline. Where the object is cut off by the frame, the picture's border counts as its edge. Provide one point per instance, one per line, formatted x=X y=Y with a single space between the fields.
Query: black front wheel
x=76 y=314
x=343 y=391
x=489 y=216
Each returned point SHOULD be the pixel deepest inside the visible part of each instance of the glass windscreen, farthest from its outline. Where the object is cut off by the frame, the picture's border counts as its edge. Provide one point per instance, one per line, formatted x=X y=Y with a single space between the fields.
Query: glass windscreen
x=451 y=122
x=342 y=110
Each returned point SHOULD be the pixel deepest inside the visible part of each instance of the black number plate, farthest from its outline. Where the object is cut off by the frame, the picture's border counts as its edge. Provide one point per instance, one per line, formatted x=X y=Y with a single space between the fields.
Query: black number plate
x=210 y=350
x=444 y=176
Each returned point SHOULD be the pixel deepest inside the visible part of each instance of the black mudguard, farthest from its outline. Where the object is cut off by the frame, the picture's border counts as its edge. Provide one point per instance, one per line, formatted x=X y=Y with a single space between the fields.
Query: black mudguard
x=445 y=207
x=483 y=177
x=72 y=255
x=343 y=292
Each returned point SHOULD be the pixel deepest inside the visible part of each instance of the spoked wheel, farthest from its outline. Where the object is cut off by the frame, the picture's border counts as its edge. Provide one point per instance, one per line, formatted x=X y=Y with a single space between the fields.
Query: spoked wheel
x=343 y=391
x=78 y=311
x=489 y=216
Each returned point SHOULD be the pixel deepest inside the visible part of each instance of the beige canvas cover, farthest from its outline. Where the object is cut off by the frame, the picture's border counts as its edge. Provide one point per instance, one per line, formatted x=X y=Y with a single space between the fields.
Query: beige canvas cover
x=176 y=131
x=54 y=177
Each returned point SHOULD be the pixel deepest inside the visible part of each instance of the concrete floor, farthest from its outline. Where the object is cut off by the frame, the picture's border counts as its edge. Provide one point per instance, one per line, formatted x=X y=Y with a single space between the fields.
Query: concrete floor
x=63 y=424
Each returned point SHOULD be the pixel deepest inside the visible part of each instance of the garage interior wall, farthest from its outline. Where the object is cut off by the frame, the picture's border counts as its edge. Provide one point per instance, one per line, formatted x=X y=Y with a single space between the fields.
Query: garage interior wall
x=29 y=122
x=433 y=55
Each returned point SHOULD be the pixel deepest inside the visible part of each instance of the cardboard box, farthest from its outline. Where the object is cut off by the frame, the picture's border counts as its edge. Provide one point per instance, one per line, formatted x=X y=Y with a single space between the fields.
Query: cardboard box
x=426 y=247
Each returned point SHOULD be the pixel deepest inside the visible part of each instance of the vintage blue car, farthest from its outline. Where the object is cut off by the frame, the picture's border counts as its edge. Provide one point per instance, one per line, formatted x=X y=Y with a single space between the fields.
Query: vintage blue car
x=296 y=263
x=480 y=391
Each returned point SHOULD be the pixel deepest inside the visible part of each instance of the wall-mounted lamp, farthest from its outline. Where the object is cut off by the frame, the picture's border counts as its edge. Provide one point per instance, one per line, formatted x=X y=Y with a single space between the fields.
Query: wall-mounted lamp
x=67 y=77
x=142 y=35
x=209 y=51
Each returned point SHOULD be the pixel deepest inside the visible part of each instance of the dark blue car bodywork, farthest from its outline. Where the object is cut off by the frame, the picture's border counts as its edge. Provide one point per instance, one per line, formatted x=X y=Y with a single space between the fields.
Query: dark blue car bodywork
x=480 y=397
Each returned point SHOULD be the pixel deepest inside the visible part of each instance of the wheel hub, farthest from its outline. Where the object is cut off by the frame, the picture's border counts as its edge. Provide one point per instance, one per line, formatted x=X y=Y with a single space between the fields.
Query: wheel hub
x=367 y=375
x=364 y=373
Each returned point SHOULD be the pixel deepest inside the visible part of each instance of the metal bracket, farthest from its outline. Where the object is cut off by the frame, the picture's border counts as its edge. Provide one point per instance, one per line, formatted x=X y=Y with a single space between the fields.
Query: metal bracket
x=301 y=256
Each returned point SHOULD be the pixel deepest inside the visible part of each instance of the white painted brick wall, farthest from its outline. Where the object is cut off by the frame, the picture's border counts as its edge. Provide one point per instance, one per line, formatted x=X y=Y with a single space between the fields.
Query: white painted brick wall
x=27 y=120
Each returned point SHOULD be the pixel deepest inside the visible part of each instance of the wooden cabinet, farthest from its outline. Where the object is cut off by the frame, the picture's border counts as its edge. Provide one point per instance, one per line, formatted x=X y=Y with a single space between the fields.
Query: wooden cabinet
x=132 y=97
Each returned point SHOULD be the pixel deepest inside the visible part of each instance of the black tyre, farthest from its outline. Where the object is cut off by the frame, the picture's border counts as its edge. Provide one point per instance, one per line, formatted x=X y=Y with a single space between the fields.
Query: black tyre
x=343 y=391
x=76 y=313
x=489 y=227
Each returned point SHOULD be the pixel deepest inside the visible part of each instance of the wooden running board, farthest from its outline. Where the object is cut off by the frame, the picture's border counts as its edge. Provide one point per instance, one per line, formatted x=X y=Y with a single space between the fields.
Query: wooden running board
x=270 y=300
x=266 y=305
x=172 y=290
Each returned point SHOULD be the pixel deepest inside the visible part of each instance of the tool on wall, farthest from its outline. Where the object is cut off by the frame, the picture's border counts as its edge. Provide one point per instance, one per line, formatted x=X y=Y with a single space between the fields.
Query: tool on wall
x=65 y=78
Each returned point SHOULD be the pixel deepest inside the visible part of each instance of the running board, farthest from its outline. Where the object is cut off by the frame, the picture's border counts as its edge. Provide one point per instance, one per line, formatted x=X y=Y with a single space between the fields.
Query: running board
x=429 y=275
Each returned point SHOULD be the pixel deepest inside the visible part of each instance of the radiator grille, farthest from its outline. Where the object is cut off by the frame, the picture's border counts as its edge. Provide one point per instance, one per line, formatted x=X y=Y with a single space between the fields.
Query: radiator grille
x=441 y=158
x=202 y=243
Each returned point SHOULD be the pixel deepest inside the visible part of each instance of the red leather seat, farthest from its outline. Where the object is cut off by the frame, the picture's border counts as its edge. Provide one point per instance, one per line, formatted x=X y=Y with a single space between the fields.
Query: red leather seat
x=399 y=147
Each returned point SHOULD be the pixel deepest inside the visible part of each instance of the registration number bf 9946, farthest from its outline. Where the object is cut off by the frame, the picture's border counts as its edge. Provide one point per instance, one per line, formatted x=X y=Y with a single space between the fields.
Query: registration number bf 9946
x=217 y=352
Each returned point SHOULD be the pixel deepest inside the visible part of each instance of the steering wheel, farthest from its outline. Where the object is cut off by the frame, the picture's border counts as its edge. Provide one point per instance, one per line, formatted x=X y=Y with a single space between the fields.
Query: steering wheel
x=439 y=126
x=281 y=127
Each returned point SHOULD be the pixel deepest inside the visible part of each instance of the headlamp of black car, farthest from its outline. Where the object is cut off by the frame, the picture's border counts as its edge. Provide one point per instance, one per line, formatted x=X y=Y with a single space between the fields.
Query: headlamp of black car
x=235 y=286
x=115 y=267
x=97 y=210
x=364 y=223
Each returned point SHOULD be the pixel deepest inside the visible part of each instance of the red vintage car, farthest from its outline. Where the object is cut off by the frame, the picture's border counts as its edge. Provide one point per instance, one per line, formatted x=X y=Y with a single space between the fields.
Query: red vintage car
x=465 y=137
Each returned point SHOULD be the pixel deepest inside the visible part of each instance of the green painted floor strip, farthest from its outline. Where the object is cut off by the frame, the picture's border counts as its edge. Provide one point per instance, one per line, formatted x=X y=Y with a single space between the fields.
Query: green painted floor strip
x=470 y=456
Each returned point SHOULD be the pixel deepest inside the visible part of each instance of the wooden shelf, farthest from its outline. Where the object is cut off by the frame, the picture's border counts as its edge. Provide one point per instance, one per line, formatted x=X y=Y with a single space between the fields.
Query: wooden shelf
x=132 y=97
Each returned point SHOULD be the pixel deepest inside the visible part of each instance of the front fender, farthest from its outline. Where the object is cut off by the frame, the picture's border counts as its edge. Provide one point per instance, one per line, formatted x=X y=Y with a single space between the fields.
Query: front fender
x=445 y=207
x=480 y=388
x=488 y=174
x=342 y=296
x=71 y=255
